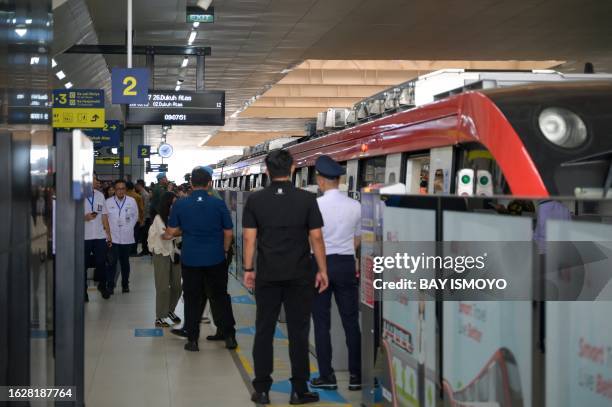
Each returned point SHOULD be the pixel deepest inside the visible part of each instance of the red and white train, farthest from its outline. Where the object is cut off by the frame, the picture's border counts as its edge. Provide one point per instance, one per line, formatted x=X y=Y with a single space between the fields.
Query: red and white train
x=549 y=135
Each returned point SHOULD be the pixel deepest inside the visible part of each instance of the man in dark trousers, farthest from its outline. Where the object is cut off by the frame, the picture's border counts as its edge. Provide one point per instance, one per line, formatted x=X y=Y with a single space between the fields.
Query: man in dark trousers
x=342 y=235
x=206 y=227
x=281 y=220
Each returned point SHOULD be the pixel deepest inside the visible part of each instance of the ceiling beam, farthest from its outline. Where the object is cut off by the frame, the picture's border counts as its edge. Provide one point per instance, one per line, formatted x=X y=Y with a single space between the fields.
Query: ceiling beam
x=247 y=138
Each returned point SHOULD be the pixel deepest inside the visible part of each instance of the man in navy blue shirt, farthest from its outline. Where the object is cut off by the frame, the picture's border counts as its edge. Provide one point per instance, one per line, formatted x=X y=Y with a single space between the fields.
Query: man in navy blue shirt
x=206 y=227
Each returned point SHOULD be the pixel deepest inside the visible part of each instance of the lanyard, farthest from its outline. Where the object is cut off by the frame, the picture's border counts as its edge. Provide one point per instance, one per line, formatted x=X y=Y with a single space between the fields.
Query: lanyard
x=91 y=202
x=120 y=207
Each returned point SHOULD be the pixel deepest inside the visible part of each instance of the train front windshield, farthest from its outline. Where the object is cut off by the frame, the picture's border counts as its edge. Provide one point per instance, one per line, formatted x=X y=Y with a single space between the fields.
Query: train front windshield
x=567 y=130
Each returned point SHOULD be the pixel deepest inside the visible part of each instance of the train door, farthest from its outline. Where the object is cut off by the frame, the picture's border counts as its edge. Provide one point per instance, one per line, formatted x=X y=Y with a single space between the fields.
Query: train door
x=417 y=174
x=440 y=171
x=352 y=173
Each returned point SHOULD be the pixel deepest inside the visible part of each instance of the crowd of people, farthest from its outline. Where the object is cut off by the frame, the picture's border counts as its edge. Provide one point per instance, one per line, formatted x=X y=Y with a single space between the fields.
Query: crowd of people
x=306 y=252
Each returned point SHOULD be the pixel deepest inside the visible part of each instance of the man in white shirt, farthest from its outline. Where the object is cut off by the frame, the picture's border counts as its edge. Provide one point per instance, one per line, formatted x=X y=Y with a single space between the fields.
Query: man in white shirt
x=122 y=216
x=97 y=233
x=341 y=234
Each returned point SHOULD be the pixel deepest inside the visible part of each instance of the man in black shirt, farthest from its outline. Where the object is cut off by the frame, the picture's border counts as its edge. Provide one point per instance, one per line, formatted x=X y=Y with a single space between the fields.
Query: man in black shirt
x=285 y=222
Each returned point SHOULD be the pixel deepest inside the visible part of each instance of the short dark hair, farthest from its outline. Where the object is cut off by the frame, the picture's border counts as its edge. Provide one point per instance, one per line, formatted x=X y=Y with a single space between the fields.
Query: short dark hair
x=141 y=182
x=200 y=177
x=129 y=185
x=278 y=163
x=119 y=181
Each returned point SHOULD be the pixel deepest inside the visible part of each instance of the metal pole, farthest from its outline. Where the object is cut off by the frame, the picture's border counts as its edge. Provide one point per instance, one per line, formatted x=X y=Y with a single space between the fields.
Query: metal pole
x=129 y=36
x=200 y=66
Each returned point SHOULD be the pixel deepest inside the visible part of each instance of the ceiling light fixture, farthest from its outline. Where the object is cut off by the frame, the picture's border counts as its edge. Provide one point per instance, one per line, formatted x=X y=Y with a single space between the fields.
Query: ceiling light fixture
x=28 y=21
x=21 y=31
x=205 y=4
x=68 y=85
x=185 y=62
x=192 y=37
x=34 y=60
x=180 y=81
x=53 y=63
x=178 y=87
x=196 y=24
x=60 y=75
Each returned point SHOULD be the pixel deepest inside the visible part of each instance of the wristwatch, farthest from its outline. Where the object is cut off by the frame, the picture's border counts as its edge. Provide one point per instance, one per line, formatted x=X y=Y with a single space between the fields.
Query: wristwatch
x=248 y=270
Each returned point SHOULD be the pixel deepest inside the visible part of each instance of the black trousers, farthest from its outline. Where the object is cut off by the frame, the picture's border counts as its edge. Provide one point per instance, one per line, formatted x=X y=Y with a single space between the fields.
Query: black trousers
x=96 y=248
x=343 y=284
x=120 y=253
x=212 y=282
x=296 y=296
x=144 y=235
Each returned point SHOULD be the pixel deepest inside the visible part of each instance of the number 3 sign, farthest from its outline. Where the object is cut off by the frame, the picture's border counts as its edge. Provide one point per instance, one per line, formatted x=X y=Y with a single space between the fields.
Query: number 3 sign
x=130 y=85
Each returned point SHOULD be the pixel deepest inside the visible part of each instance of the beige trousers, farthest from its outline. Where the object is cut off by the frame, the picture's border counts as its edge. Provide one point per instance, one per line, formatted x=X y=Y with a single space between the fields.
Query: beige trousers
x=167 y=284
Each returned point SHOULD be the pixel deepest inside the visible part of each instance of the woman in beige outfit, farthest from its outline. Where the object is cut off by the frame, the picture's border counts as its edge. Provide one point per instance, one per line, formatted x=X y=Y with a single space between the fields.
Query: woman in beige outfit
x=166 y=265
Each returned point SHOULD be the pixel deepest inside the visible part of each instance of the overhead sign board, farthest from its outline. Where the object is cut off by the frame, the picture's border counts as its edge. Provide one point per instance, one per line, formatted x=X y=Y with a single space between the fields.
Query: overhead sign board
x=182 y=108
x=130 y=85
x=112 y=160
x=144 y=151
x=108 y=136
x=27 y=106
x=156 y=167
x=199 y=15
x=78 y=108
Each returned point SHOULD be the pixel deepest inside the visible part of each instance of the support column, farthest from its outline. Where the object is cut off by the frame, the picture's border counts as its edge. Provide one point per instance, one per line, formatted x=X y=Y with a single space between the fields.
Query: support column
x=200 y=76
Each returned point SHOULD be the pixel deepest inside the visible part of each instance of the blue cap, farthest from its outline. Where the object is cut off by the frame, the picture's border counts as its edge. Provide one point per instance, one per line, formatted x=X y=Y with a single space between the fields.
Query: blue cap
x=208 y=169
x=161 y=175
x=328 y=168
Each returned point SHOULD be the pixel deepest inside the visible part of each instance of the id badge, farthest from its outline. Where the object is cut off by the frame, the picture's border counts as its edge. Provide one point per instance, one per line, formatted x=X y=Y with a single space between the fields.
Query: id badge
x=99 y=208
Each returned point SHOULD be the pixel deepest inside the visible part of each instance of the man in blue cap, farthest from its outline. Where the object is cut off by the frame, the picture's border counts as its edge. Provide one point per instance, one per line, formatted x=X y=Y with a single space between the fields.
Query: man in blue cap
x=341 y=234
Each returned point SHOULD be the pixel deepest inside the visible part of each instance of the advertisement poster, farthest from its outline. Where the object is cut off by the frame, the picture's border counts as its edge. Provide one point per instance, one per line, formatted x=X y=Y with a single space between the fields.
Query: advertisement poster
x=579 y=354
x=369 y=246
x=487 y=352
x=487 y=344
x=409 y=322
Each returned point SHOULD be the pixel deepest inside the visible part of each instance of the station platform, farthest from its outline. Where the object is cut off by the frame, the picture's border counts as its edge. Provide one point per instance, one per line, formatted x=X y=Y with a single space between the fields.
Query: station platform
x=124 y=368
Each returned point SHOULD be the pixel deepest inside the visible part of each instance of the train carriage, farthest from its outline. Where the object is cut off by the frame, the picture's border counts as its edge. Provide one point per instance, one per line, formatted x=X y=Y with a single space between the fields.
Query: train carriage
x=537 y=139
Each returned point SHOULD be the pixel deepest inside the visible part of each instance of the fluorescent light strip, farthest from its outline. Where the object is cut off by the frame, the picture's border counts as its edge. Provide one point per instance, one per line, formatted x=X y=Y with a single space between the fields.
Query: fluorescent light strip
x=68 y=85
x=178 y=87
x=192 y=37
x=53 y=63
x=34 y=60
x=60 y=75
x=185 y=62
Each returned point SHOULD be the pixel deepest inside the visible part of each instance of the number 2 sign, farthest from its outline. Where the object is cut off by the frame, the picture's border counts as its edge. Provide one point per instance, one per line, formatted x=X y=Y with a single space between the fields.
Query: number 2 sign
x=130 y=85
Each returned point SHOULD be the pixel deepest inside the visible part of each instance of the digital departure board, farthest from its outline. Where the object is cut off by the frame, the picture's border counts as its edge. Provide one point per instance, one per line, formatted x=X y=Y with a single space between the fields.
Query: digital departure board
x=181 y=108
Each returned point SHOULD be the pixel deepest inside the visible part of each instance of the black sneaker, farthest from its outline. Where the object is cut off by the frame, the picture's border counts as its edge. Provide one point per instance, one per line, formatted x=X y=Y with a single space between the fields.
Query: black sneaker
x=125 y=289
x=192 y=346
x=216 y=337
x=354 y=382
x=260 y=398
x=304 y=398
x=174 y=317
x=230 y=342
x=160 y=323
x=326 y=383
x=179 y=332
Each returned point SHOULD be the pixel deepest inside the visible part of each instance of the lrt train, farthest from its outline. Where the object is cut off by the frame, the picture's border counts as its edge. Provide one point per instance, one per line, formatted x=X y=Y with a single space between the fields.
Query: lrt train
x=551 y=135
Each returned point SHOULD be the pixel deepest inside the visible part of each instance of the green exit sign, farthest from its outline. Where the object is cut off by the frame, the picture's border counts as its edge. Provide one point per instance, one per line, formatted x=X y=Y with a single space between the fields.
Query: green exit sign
x=199 y=15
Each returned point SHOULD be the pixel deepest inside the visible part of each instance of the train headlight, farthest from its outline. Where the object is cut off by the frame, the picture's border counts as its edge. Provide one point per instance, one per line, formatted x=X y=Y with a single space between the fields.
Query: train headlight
x=562 y=127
